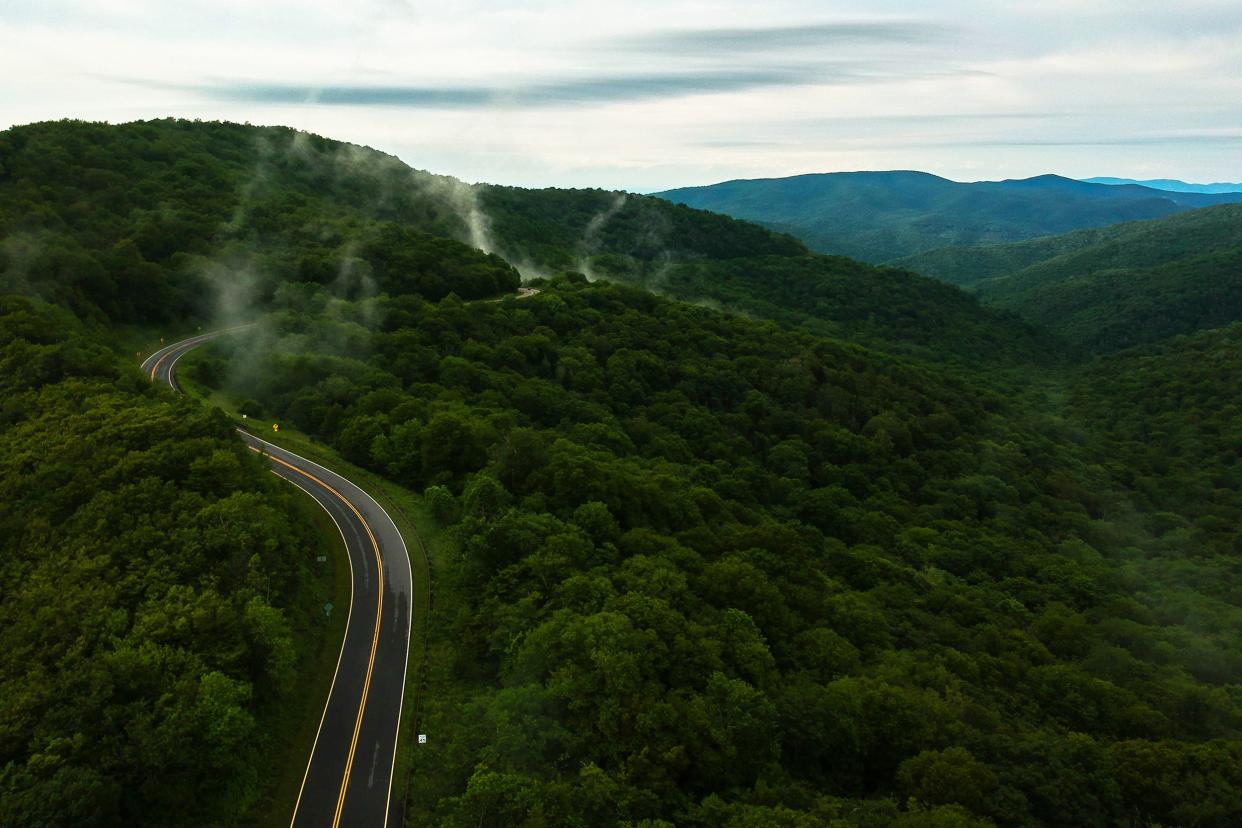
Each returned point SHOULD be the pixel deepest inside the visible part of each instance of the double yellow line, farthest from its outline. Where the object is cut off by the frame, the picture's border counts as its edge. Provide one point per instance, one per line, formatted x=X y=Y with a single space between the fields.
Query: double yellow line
x=379 y=614
x=156 y=367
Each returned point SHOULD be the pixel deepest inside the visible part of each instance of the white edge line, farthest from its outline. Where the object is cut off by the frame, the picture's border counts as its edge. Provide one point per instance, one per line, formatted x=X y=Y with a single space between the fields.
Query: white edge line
x=344 y=639
x=409 y=621
x=405 y=679
x=172 y=367
x=197 y=339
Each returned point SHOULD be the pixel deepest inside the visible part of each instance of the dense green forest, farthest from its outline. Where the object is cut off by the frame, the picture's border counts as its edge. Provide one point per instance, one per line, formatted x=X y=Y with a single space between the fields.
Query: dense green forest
x=814 y=562
x=1169 y=415
x=1131 y=245
x=884 y=308
x=714 y=572
x=884 y=216
x=557 y=229
x=164 y=220
x=156 y=597
x=1114 y=287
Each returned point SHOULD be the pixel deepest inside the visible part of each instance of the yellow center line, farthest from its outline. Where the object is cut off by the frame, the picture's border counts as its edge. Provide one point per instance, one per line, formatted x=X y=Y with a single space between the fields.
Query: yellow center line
x=158 y=363
x=379 y=613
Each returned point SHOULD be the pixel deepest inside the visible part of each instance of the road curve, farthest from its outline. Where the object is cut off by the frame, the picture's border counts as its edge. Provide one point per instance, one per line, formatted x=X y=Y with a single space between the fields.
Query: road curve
x=348 y=779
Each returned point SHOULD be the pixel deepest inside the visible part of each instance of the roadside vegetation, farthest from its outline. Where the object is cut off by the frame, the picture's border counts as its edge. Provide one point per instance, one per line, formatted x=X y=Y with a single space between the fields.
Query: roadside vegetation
x=160 y=593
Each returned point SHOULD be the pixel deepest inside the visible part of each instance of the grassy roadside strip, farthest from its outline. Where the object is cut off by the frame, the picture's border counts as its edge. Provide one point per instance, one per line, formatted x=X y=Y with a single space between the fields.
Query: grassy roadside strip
x=427 y=545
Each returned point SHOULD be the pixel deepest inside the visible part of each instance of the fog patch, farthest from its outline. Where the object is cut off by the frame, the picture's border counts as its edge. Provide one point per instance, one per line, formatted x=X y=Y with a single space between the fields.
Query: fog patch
x=234 y=286
x=354 y=288
x=19 y=253
x=589 y=245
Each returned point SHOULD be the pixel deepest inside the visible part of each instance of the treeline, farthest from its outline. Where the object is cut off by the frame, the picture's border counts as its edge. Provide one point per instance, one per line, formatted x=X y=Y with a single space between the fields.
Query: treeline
x=156 y=597
x=714 y=572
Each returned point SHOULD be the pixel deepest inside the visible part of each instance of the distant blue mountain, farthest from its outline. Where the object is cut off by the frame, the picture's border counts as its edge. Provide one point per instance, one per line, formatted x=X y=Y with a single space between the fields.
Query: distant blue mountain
x=881 y=216
x=1171 y=185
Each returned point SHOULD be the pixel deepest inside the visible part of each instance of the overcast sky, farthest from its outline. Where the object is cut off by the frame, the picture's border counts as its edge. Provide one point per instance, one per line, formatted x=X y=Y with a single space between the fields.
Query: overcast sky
x=648 y=95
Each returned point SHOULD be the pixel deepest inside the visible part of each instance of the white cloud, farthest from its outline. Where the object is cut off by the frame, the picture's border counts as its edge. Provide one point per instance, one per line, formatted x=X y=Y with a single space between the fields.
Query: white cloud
x=645 y=94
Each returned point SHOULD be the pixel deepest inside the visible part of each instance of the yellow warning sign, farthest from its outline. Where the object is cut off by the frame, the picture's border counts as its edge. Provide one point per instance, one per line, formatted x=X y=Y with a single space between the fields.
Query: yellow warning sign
x=275 y=426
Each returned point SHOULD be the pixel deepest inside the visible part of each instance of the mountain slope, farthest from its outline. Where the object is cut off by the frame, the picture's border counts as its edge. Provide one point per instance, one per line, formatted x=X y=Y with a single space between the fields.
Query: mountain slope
x=886 y=308
x=288 y=205
x=565 y=230
x=734 y=265
x=1114 y=287
x=166 y=220
x=1130 y=244
x=881 y=216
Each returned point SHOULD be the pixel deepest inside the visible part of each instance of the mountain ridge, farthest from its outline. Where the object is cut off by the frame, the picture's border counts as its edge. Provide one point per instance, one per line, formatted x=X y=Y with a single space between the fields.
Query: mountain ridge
x=1169 y=184
x=882 y=216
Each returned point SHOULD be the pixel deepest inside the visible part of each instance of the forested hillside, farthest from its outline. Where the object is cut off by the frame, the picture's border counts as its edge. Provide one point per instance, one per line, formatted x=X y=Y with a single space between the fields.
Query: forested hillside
x=207 y=214
x=1170 y=415
x=1130 y=245
x=156 y=594
x=885 y=308
x=1114 y=287
x=815 y=561
x=713 y=572
x=567 y=230
x=883 y=216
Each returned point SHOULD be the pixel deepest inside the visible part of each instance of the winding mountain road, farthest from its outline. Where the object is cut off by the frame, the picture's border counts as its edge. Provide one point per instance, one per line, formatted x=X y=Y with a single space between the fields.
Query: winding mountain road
x=348 y=779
